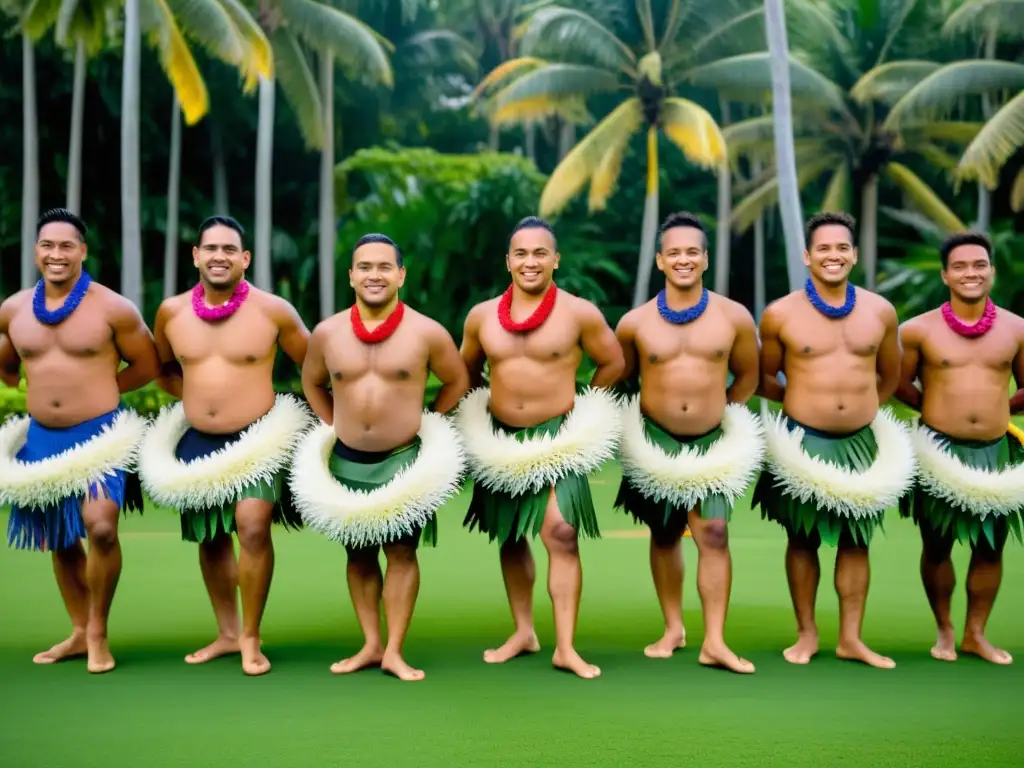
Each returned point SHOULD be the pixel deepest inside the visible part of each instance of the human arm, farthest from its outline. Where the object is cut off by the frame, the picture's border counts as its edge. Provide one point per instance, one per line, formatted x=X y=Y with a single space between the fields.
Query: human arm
x=907 y=391
x=292 y=333
x=447 y=365
x=1017 y=401
x=170 y=377
x=316 y=377
x=10 y=362
x=135 y=344
x=625 y=334
x=744 y=360
x=889 y=357
x=472 y=351
x=600 y=345
x=772 y=355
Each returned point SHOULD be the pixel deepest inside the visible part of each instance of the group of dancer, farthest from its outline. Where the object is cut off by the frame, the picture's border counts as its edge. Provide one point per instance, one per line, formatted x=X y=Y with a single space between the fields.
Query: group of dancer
x=363 y=462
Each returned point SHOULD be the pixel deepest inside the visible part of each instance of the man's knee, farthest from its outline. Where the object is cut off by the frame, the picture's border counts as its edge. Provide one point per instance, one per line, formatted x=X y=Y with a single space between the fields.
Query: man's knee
x=560 y=537
x=253 y=518
x=714 y=535
x=101 y=525
x=400 y=554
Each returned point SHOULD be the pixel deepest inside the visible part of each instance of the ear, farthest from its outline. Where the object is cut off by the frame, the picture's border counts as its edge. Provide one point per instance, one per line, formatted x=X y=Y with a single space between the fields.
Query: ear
x=246 y=259
x=351 y=280
x=558 y=258
x=855 y=255
x=195 y=256
x=807 y=258
x=401 y=276
x=660 y=261
x=508 y=265
x=942 y=274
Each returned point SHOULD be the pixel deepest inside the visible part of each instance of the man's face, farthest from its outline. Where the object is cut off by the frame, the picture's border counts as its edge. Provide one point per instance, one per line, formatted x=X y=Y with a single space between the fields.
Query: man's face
x=220 y=258
x=683 y=257
x=969 y=273
x=532 y=259
x=375 y=274
x=60 y=252
x=831 y=255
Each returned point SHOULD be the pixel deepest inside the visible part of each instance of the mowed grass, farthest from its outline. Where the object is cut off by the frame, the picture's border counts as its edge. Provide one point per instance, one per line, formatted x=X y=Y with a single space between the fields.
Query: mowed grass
x=155 y=711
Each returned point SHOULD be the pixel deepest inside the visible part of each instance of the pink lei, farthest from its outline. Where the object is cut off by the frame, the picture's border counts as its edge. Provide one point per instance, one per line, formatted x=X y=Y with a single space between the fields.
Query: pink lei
x=980 y=328
x=212 y=314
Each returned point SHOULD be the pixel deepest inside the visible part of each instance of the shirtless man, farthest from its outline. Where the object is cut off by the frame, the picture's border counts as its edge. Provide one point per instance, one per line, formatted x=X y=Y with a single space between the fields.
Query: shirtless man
x=971 y=484
x=378 y=468
x=533 y=338
x=220 y=456
x=833 y=445
x=682 y=345
x=73 y=334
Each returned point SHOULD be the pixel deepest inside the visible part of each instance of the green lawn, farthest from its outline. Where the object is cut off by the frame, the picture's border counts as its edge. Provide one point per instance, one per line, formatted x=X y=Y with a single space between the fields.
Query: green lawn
x=154 y=711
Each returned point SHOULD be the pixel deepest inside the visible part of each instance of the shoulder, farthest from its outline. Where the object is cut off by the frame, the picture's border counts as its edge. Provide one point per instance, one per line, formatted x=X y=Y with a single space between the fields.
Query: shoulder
x=172 y=305
x=280 y=310
x=1014 y=321
x=630 y=322
x=732 y=309
x=775 y=313
x=877 y=303
x=16 y=300
x=586 y=311
x=916 y=328
x=118 y=308
x=478 y=312
x=427 y=326
x=329 y=325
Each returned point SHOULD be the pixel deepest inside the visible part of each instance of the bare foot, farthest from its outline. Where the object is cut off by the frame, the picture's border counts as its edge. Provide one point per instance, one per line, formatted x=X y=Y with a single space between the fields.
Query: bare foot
x=395 y=664
x=100 y=658
x=945 y=647
x=857 y=651
x=805 y=649
x=514 y=646
x=722 y=656
x=71 y=648
x=222 y=646
x=370 y=655
x=253 y=661
x=670 y=642
x=572 y=662
x=980 y=646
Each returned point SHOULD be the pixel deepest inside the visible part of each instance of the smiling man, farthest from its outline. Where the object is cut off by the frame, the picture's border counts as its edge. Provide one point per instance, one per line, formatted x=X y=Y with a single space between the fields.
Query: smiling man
x=690 y=446
x=957 y=364
x=837 y=459
x=68 y=475
x=532 y=439
x=220 y=456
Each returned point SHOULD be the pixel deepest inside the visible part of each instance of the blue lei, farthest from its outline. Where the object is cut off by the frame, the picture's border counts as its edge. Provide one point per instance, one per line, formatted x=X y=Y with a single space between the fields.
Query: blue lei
x=827 y=309
x=683 y=316
x=59 y=315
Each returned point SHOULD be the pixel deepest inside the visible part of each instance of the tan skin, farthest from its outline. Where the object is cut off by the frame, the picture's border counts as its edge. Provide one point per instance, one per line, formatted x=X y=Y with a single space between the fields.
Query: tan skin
x=959 y=384
x=379 y=406
x=71 y=371
x=533 y=379
x=684 y=387
x=837 y=373
x=223 y=373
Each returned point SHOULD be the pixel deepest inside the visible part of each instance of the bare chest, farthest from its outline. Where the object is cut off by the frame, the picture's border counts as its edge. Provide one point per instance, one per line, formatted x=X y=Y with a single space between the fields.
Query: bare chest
x=808 y=335
x=557 y=339
x=245 y=338
x=86 y=333
x=706 y=340
x=946 y=350
x=403 y=357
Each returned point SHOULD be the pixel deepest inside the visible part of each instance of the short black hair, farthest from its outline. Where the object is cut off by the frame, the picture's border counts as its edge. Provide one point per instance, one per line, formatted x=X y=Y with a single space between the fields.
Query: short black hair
x=532 y=222
x=222 y=221
x=62 y=215
x=376 y=237
x=826 y=218
x=953 y=242
x=682 y=219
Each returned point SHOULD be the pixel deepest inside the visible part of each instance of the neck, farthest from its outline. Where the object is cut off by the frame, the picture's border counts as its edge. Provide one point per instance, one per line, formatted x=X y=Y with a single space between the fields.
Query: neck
x=837 y=292
x=376 y=313
x=60 y=290
x=217 y=296
x=518 y=294
x=683 y=298
x=968 y=311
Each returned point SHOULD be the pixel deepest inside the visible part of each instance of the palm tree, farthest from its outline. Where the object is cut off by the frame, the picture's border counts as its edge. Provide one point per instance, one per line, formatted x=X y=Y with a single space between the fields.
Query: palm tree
x=838 y=126
x=568 y=55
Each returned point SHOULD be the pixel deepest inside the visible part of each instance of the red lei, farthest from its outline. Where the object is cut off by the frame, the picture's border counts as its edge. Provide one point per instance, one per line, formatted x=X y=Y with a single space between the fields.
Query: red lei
x=980 y=328
x=534 y=321
x=383 y=331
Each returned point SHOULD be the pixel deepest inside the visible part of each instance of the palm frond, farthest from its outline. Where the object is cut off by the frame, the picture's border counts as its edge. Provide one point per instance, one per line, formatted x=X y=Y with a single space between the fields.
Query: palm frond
x=935 y=155
x=752 y=207
x=583 y=161
x=837 y=196
x=439 y=45
x=163 y=34
x=506 y=70
x=529 y=93
x=692 y=128
x=886 y=83
x=558 y=31
x=940 y=93
x=725 y=29
x=258 y=57
x=207 y=22
x=646 y=15
x=995 y=143
x=1003 y=17
x=298 y=86
x=39 y=17
x=894 y=18
x=602 y=183
x=353 y=43
x=1017 y=193
x=922 y=197
x=943 y=130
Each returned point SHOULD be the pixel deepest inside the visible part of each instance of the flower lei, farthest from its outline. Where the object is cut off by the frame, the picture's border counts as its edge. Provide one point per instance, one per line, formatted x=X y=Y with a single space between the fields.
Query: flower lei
x=535 y=320
x=980 y=328
x=827 y=309
x=213 y=314
x=383 y=331
x=61 y=313
x=682 y=316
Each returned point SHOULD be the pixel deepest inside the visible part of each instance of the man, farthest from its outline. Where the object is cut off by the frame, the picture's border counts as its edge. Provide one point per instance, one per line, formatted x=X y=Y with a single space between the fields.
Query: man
x=66 y=469
x=836 y=459
x=531 y=440
x=220 y=455
x=378 y=468
x=688 y=454
x=971 y=481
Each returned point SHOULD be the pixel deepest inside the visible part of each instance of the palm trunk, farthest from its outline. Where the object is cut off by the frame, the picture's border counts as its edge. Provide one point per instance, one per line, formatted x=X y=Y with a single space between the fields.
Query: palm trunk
x=173 y=205
x=760 y=288
x=494 y=139
x=131 y=222
x=77 y=129
x=869 y=230
x=649 y=232
x=220 y=170
x=264 y=166
x=530 y=140
x=327 y=234
x=785 y=153
x=723 y=232
x=566 y=139
x=29 y=163
x=984 y=195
